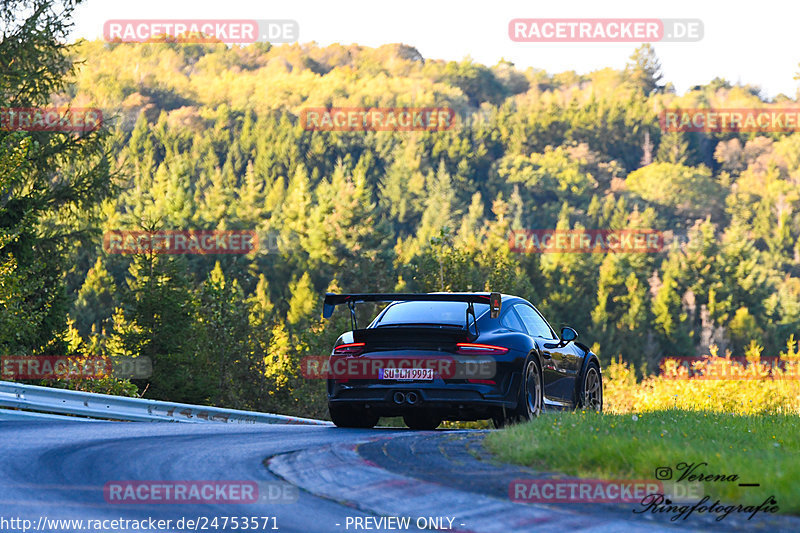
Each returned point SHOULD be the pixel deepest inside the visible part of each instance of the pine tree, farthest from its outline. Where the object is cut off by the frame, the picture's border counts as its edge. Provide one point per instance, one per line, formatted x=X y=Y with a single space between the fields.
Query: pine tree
x=96 y=301
x=250 y=198
x=223 y=324
x=49 y=181
x=673 y=148
x=440 y=205
x=156 y=320
x=304 y=300
x=644 y=69
x=670 y=320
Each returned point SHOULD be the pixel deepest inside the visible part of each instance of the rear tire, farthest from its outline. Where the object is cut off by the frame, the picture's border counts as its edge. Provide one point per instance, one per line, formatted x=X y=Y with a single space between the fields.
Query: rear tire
x=531 y=392
x=349 y=417
x=501 y=419
x=421 y=421
x=530 y=399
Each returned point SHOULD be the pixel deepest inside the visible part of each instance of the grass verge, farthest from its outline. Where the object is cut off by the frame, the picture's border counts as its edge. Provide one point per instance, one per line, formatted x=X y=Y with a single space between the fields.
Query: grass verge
x=762 y=449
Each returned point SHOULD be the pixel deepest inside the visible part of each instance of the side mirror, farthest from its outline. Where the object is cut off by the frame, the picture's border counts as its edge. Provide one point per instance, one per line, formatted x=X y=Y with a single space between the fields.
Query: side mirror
x=568 y=334
x=494 y=305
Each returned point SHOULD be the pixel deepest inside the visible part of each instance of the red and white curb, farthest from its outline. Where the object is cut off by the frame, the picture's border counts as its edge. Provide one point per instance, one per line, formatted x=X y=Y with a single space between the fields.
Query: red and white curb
x=339 y=473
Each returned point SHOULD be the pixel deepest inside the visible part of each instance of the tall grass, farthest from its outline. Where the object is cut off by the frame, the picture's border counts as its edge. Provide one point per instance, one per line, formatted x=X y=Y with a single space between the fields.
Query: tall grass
x=713 y=383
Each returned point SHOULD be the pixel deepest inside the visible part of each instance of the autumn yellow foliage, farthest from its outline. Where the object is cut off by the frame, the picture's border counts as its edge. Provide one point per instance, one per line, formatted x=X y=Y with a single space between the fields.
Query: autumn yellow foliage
x=711 y=383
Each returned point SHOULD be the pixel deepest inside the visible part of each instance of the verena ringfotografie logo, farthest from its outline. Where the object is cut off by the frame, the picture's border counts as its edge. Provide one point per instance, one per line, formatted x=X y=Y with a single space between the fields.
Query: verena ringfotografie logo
x=74 y=367
x=697 y=474
x=605 y=30
x=198 y=492
x=229 y=31
x=377 y=118
x=752 y=120
x=180 y=242
x=56 y=119
x=586 y=241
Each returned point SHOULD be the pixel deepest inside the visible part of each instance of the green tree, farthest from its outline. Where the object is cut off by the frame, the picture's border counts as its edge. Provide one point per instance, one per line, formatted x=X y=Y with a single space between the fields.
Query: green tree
x=690 y=191
x=643 y=71
x=303 y=300
x=48 y=181
x=94 y=306
x=156 y=320
x=223 y=341
x=673 y=148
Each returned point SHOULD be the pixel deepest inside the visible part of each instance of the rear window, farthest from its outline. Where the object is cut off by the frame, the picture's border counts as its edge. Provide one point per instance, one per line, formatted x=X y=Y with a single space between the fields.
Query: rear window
x=454 y=313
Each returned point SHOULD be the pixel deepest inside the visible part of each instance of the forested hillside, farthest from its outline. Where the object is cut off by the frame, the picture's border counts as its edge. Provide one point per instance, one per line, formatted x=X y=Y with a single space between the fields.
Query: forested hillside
x=204 y=136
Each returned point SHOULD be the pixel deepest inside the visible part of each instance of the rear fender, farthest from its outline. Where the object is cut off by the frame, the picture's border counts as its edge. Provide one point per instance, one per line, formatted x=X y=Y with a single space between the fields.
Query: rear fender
x=533 y=352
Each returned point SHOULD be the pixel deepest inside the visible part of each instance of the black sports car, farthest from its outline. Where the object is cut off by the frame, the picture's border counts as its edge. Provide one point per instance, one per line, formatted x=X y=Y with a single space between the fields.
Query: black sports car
x=456 y=356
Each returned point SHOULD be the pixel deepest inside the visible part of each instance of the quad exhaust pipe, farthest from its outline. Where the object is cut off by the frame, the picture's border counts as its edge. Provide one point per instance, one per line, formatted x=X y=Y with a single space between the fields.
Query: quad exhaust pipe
x=400 y=397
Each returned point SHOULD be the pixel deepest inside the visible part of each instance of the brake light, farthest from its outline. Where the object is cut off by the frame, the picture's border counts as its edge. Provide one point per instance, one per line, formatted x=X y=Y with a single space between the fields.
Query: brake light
x=354 y=348
x=466 y=348
x=482 y=381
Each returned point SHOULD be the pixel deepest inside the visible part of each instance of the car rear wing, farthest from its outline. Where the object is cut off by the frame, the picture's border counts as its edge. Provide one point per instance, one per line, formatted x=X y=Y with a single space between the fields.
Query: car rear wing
x=332 y=300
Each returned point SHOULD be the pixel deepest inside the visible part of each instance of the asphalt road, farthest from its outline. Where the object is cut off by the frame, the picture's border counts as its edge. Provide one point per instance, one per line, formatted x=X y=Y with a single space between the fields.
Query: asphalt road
x=309 y=479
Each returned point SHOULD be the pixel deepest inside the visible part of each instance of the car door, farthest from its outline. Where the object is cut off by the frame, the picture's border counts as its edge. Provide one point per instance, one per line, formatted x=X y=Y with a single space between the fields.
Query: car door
x=572 y=357
x=554 y=358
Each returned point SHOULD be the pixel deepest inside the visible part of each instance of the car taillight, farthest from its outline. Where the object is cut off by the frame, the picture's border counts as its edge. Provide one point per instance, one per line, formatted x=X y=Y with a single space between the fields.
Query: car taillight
x=482 y=381
x=466 y=348
x=354 y=348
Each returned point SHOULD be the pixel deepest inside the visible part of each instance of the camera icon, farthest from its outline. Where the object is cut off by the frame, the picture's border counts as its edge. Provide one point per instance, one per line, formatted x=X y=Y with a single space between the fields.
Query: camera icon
x=663 y=473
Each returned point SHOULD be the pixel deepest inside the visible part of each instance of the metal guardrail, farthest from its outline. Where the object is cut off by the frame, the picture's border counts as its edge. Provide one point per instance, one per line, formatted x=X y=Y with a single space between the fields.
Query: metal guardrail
x=9 y=415
x=104 y=406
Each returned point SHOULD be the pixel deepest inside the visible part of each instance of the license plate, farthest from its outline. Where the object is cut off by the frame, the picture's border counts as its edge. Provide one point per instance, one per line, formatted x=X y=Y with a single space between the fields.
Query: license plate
x=406 y=374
